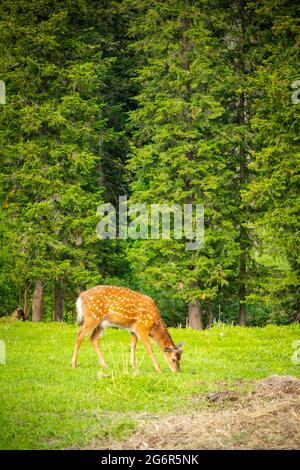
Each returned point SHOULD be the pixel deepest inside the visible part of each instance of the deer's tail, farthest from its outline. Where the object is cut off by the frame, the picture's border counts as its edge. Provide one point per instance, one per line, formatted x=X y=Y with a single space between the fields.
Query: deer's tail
x=80 y=316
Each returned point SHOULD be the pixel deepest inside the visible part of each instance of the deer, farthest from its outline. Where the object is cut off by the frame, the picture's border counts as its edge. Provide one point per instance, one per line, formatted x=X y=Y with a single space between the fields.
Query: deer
x=106 y=306
x=18 y=314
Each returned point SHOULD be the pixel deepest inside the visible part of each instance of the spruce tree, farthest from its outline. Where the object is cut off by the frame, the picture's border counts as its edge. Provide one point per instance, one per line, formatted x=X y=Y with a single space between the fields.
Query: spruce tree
x=177 y=153
x=273 y=191
x=54 y=132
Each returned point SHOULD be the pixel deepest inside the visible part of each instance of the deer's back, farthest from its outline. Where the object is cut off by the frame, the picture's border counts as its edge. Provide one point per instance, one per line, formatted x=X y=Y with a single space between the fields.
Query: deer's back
x=119 y=305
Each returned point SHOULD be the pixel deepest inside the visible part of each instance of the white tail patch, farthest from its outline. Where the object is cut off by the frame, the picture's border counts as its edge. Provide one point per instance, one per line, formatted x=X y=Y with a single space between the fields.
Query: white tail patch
x=80 y=316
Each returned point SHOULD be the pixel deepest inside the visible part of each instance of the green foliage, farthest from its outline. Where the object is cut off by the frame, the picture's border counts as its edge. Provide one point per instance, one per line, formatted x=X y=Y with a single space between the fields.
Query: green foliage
x=214 y=115
x=177 y=153
x=273 y=192
x=169 y=102
x=56 y=126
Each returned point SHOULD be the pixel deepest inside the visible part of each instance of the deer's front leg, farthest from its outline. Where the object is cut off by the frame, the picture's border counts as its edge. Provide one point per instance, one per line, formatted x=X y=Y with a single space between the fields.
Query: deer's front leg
x=133 y=341
x=146 y=342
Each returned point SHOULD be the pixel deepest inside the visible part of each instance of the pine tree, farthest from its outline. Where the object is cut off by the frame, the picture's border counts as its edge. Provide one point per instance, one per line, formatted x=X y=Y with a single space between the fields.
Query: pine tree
x=177 y=147
x=54 y=133
x=275 y=157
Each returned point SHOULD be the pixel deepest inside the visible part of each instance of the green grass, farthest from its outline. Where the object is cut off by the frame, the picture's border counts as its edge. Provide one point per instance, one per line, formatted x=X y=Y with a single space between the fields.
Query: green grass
x=46 y=404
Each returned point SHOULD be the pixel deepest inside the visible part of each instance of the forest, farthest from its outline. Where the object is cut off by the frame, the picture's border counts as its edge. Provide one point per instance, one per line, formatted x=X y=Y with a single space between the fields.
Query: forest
x=164 y=102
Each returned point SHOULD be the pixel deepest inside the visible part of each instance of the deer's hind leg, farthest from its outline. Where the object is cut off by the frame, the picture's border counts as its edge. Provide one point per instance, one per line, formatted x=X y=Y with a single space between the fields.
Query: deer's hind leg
x=95 y=342
x=83 y=333
x=133 y=341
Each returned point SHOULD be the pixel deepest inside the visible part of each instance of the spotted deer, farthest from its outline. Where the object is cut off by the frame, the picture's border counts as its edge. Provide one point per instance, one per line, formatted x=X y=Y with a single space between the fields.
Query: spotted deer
x=104 y=306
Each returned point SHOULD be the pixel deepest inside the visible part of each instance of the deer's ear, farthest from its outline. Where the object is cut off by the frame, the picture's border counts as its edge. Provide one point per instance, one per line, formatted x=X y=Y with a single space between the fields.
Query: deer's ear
x=168 y=349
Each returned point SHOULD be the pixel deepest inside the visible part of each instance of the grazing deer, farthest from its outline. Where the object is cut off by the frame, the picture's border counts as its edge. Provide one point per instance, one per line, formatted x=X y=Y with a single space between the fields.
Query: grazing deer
x=18 y=314
x=104 y=306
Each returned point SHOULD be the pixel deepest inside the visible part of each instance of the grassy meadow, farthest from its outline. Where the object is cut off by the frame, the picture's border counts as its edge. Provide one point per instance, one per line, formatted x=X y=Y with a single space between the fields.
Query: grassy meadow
x=45 y=404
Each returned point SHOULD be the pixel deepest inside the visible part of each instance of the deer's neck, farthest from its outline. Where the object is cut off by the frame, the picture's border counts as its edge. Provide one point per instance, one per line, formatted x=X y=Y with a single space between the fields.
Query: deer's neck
x=161 y=335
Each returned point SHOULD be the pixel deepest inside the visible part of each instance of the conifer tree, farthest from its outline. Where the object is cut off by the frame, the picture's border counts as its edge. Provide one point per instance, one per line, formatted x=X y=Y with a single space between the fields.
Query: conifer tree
x=54 y=136
x=273 y=191
x=177 y=146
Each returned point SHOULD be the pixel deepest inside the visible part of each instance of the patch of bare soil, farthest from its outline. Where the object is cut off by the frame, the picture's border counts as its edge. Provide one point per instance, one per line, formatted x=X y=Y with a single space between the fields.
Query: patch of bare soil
x=266 y=418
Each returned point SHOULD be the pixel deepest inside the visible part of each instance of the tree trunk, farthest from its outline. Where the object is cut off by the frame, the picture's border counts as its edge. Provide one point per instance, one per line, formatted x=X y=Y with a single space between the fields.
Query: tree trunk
x=195 y=315
x=210 y=316
x=37 y=301
x=242 y=315
x=58 y=302
x=26 y=306
x=195 y=312
x=242 y=292
x=20 y=295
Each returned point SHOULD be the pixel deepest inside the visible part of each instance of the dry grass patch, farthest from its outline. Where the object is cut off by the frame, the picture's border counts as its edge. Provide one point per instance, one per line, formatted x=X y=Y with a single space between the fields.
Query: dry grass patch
x=266 y=418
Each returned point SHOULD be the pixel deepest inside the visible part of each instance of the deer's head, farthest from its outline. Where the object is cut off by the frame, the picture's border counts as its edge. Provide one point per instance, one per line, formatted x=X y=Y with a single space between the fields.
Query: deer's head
x=173 y=355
